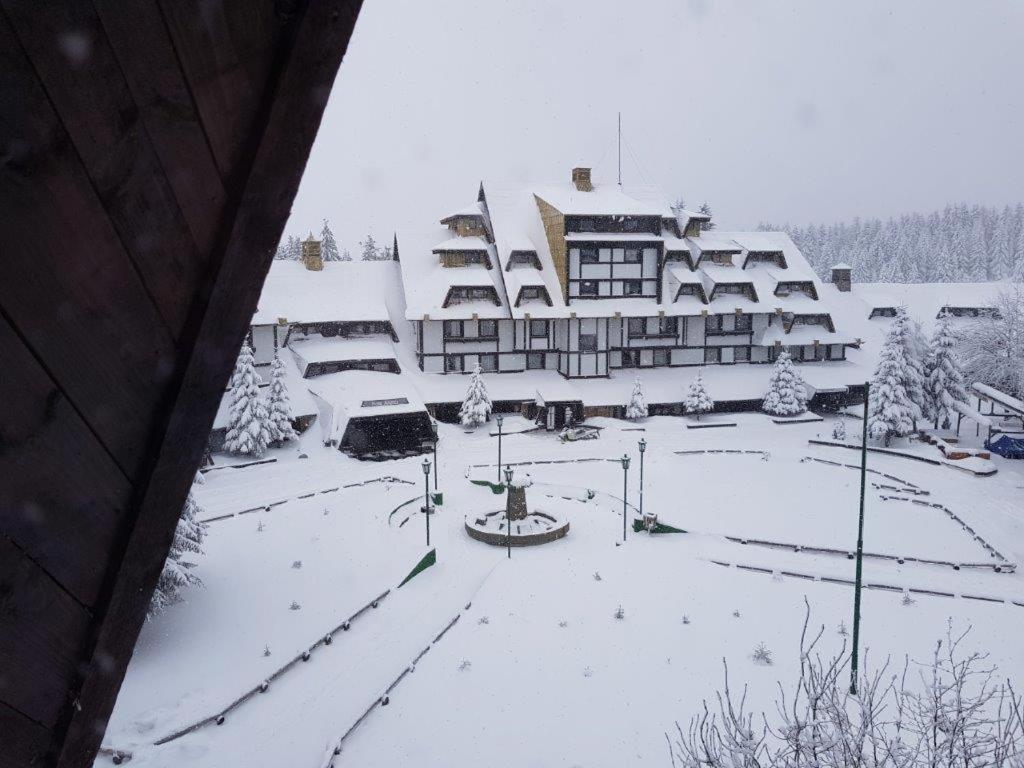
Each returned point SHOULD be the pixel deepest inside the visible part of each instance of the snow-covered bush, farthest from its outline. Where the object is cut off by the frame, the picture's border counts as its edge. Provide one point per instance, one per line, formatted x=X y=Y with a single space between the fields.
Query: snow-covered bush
x=248 y=427
x=787 y=394
x=476 y=408
x=992 y=349
x=279 y=407
x=839 y=430
x=620 y=613
x=891 y=411
x=697 y=400
x=944 y=383
x=762 y=655
x=636 y=408
x=948 y=712
x=177 y=572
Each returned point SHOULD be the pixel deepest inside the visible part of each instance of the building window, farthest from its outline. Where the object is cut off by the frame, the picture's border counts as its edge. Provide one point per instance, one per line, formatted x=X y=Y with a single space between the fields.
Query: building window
x=744 y=323
x=668 y=326
x=453 y=363
x=632 y=287
x=713 y=324
x=630 y=225
x=636 y=326
x=588 y=288
x=529 y=292
x=588 y=256
x=481 y=293
x=538 y=329
x=712 y=355
x=585 y=225
x=660 y=357
x=488 y=329
x=741 y=354
x=453 y=329
x=488 y=363
x=632 y=256
x=534 y=360
x=631 y=358
x=588 y=342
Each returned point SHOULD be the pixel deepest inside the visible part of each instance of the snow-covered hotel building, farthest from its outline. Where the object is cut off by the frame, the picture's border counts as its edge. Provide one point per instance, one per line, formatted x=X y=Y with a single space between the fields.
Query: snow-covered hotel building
x=584 y=279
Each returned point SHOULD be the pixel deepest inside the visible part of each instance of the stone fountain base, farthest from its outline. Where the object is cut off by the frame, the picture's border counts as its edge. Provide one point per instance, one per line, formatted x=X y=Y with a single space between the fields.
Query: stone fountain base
x=537 y=527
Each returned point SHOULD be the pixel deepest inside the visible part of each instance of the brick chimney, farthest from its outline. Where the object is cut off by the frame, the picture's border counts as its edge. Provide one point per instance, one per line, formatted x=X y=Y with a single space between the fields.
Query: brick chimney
x=312 y=256
x=841 y=277
x=581 y=179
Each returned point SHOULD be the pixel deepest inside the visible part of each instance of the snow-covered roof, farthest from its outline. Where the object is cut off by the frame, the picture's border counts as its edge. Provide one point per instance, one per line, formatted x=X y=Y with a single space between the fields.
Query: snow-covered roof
x=841 y=265
x=427 y=282
x=472 y=243
x=344 y=291
x=347 y=395
x=709 y=242
x=318 y=349
x=925 y=300
x=472 y=211
x=603 y=200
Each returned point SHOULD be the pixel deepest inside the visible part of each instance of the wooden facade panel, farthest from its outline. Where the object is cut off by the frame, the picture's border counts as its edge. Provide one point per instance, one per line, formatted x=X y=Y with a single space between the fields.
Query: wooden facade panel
x=69 y=288
x=151 y=68
x=59 y=484
x=42 y=634
x=87 y=90
x=227 y=52
x=22 y=741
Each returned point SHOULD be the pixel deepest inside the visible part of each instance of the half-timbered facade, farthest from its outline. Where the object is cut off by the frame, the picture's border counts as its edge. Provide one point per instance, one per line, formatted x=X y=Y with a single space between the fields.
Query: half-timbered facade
x=586 y=278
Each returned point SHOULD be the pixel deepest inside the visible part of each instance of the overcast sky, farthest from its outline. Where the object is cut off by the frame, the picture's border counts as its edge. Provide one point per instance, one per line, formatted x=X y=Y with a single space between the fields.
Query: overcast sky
x=798 y=110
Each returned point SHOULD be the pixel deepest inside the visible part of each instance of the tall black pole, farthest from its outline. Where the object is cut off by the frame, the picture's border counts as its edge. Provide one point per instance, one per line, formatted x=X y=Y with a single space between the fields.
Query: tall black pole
x=860 y=543
x=643 y=449
x=499 y=420
x=435 y=461
x=508 y=511
x=426 y=501
x=625 y=476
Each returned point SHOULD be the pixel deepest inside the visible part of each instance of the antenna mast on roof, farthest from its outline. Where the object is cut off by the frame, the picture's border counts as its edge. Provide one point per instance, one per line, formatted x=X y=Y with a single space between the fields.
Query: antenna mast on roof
x=620 y=149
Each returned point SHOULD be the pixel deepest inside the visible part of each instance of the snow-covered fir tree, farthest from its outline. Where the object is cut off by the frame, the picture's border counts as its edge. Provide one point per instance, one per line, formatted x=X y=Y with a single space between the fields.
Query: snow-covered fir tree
x=709 y=224
x=787 y=394
x=476 y=408
x=839 y=430
x=345 y=255
x=636 y=408
x=698 y=400
x=294 y=248
x=915 y=353
x=248 y=425
x=328 y=245
x=177 y=572
x=279 y=407
x=944 y=377
x=891 y=412
x=386 y=253
x=370 y=250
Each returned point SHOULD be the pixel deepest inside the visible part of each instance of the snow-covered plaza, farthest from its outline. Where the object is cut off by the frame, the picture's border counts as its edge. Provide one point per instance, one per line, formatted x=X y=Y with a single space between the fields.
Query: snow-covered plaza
x=580 y=652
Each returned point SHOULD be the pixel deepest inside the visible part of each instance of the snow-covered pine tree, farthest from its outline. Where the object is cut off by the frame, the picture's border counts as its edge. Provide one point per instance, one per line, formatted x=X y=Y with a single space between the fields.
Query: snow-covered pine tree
x=915 y=352
x=345 y=255
x=248 y=428
x=1018 y=269
x=294 y=248
x=370 y=250
x=328 y=245
x=697 y=400
x=839 y=430
x=637 y=406
x=678 y=206
x=279 y=406
x=709 y=224
x=476 y=408
x=945 y=378
x=787 y=394
x=890 y=410
x=976 y=261
x=386 y=254
x=177 y=572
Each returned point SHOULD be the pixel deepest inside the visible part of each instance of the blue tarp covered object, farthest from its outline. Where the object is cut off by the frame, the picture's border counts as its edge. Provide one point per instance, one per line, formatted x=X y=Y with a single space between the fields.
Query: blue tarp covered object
x=1008 y=447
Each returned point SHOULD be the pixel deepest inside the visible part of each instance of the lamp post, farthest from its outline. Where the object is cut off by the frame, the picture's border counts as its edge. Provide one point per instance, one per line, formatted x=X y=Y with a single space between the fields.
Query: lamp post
x=508 y=510
x=625 y=475
x=499 y=419
x=643 y=447
x=435 y=458
x=860 y=544
x=426 y=496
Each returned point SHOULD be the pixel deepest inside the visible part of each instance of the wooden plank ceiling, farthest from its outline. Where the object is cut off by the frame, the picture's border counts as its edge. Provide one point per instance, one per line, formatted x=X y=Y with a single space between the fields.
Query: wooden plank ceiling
x=149 y=155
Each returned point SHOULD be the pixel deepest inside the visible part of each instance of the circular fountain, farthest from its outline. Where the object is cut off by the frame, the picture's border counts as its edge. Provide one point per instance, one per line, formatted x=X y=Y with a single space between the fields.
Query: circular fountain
x=527 y=528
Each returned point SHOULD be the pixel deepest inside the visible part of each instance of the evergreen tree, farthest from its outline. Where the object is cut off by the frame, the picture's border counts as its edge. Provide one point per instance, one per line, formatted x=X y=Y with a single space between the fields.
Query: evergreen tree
x=345 y=256
x=890 y=409
x=328 y=245
x=370 y=250
x=709 y=224
x=476 y=408
x=945 y=378
x=386 y=253
x=977 y=254
x=678 y=206
x=697 y=400
x=279 y=407
x=915 y=353
x=1001 y=259
x=294 y=248
x=787 y=394
x=177 y=572
x=248 y=425
x=1018 y=270
x=637 y=406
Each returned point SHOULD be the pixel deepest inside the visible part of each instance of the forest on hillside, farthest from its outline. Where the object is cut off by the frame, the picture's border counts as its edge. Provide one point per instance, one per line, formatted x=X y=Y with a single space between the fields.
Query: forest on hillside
x=961 y=243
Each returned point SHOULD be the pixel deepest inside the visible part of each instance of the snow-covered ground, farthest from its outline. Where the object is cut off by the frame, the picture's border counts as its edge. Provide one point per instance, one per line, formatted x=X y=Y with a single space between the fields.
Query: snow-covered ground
x=538 y=670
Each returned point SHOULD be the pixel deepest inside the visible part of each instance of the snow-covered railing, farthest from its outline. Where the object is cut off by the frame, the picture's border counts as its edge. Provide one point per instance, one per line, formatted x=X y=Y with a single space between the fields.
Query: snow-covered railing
x=996 y=396
x=326 y=639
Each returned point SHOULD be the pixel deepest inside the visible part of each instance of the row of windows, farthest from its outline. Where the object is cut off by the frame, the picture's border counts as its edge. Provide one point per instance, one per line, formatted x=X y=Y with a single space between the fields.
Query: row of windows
x=742 y=324
x=629 y=287
x=663 y=356
x=489 y=362
x=589 y=255
x=667 y=326
x=488 y=329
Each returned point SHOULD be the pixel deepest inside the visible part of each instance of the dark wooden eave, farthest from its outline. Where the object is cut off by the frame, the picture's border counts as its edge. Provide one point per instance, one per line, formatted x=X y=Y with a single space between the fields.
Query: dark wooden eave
x=149 y=156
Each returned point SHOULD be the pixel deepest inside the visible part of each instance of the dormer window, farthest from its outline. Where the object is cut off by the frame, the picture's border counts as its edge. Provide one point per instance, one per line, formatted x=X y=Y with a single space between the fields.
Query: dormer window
x=765 y=257
x=788 y=287
x=721 y=258
x=742 y=289
x=523 y=259
x=458 y=294
x=464 y=258
x=691 y=289
x=533 y=293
